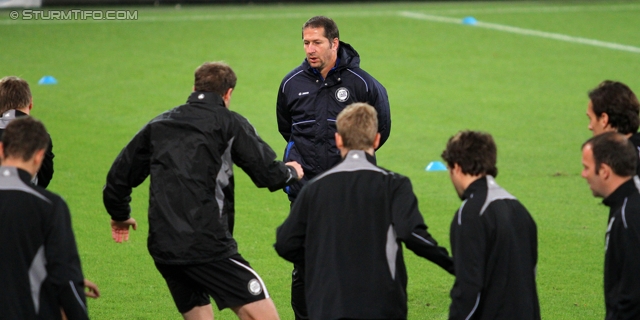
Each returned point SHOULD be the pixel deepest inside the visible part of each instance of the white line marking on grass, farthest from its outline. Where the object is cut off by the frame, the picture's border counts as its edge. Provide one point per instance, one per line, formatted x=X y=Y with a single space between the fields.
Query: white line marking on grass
x=527 y=32
x=554 y=9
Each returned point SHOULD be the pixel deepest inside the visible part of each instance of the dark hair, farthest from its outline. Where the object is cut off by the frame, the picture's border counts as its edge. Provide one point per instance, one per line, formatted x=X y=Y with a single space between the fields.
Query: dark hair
x=215 y=77
x=475 y=152
x=616 y=151
x=620 y=103
x=330 y=27
x=23 y=137
x=14 y=94
x=357 y=125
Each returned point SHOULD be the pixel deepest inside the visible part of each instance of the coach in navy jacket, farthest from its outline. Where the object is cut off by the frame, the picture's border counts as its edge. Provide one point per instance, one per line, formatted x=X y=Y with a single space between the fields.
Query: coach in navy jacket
x=311 y=96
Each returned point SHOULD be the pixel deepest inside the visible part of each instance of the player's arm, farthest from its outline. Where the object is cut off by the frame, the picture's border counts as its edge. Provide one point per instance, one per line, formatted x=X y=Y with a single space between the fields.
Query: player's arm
x=290 y=236
x=63 y=267
x=45 y=173
x=628 y=245
x=129 y=169
x=469 y=254
x=379 y=99
x=410 y=227
x=258 y=160
x=283 y=115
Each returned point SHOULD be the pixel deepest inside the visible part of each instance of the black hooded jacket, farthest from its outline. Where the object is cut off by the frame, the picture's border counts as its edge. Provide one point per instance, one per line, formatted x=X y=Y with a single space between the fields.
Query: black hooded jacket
x=189 y=152
x=308 y=106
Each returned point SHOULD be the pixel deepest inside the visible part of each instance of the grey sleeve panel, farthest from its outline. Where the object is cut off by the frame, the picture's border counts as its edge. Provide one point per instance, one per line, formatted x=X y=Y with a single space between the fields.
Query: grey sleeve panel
x=494 y=192
x=37 y=275
x=224 y=175
x=392 y=250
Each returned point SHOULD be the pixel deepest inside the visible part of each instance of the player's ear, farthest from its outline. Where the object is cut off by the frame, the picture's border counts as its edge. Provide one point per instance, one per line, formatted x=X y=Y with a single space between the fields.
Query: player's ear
x=339 y=143
x=604 y=120
x=1 y=152
x=605 y=171
x=227 y=97
x=38 y=156
x=376 y=141
x=456 y=169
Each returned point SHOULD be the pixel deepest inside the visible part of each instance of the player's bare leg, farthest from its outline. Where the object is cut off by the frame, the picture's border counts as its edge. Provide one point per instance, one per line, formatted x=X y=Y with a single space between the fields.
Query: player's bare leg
x=259 y=310
x=199 y=313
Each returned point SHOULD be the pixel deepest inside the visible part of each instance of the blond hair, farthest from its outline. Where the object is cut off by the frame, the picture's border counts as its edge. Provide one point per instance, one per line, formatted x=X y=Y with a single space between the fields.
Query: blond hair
x=358 y=125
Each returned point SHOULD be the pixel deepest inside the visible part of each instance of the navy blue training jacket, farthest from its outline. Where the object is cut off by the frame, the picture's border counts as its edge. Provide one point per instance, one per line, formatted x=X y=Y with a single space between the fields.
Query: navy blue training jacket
x=308 y=106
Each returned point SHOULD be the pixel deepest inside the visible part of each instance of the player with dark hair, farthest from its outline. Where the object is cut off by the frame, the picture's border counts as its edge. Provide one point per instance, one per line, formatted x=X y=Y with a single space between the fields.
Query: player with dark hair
x=40 y=270
x=189 y=152
x=613 y=107
x=347 y=227
x=609 y=162
x=494 y=240
x=15 y=102
x=310 y=98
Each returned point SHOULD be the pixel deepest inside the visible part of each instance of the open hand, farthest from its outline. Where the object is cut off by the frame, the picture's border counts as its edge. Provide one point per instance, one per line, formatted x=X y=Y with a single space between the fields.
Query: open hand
x=120 y=229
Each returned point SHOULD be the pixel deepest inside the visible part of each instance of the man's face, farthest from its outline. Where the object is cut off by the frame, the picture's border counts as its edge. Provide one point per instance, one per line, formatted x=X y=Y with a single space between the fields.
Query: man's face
x=321 y=53
x=594 y=180
x=597 y=125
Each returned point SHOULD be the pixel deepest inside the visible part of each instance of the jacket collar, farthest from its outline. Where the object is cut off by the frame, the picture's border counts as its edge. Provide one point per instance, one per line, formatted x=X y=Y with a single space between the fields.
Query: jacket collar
x=205 y=98
x=23 y=174
x=624 y=190
x=479 y=184
x=360 y=154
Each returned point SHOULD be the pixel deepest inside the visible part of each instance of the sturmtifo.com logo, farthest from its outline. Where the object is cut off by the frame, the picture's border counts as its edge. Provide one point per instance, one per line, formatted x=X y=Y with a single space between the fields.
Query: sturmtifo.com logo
x=73 y=14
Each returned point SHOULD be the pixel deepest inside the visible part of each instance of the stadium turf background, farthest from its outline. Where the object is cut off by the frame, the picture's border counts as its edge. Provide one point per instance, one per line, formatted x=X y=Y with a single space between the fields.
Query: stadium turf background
x=528 y=91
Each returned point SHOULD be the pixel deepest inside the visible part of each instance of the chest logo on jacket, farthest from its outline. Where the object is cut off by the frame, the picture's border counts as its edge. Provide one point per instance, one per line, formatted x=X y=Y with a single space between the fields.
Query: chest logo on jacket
x=342 y=94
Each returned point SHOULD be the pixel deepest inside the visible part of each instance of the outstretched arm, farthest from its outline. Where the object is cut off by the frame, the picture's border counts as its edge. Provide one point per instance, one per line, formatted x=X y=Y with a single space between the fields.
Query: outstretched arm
x=130 y=168
x=411 y=229
x=258 y=160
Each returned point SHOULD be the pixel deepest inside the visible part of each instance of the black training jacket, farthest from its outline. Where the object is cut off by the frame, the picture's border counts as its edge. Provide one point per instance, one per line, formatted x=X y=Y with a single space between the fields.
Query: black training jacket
x=308 y=105
x=45 y=174
x=189 y=152
x=635 y=139
x=347 y=227
x=40 y=270
x=495 y=252
x=622 y=253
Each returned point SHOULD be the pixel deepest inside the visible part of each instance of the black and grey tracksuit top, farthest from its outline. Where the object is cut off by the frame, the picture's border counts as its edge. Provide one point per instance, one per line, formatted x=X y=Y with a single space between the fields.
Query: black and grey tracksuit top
x=189 y=152
x=40 y=271
x=622 y=253
x=308 y=105
x=346 y=227
x=495 y=252
x=45 y=174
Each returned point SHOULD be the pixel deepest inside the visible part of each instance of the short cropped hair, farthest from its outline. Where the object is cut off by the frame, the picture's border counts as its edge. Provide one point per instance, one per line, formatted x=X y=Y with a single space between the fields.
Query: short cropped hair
x=330 y=27
x=215 y=77
x=14 y=94
x=357 y=125
x=616 y=151
x=475 y=152
x=23 y=137
x=620 y=103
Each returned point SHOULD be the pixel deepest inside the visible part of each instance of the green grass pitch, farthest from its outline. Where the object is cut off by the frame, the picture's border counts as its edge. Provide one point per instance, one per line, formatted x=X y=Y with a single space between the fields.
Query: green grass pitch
x=528 y=90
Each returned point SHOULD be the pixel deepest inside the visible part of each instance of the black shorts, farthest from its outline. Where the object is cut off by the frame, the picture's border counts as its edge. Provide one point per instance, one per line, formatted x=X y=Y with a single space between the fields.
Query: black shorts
x=230 y=282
